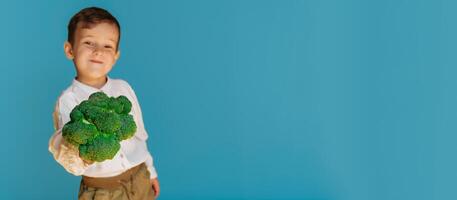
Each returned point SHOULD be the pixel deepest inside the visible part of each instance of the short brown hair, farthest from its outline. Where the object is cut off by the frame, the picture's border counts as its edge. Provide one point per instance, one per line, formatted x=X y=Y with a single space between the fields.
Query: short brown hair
x=89 y=17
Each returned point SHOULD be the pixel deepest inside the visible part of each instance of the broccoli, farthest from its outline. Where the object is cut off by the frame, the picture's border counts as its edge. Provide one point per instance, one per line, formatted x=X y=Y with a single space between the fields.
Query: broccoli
x=98 y=124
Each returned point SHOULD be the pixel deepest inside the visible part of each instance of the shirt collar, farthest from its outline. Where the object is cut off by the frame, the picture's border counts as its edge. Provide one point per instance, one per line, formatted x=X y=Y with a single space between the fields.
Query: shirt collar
x=89 y=89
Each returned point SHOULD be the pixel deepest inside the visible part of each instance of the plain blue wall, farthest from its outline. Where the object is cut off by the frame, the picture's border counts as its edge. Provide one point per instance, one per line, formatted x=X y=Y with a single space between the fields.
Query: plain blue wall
x=295 y=99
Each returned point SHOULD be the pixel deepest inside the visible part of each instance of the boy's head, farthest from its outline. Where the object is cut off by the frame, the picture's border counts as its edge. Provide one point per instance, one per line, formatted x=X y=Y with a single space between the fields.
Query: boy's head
x=93 y=42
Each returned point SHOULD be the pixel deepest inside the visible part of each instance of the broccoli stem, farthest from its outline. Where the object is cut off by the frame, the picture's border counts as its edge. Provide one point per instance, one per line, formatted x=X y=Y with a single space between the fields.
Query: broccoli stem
x=86 y=122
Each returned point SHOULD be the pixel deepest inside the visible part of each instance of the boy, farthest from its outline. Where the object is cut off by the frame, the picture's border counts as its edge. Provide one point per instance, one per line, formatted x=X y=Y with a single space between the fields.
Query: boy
x=93 y=42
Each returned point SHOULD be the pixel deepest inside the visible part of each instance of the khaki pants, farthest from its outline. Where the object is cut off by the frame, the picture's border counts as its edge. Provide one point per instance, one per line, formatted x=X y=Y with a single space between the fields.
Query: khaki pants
x=137 y=188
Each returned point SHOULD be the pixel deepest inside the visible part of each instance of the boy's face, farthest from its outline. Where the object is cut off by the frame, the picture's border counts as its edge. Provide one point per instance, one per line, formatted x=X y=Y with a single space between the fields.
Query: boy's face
x=94 y=50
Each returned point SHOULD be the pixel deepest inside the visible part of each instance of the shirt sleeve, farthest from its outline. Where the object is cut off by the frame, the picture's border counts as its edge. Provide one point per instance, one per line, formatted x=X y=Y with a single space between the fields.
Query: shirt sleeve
x=141 y=131
x=64 y=153
x=151 y=168
x=137 y=114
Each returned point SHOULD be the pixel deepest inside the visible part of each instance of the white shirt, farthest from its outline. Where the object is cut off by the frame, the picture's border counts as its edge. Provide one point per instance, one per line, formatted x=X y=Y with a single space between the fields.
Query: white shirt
x=133 y=151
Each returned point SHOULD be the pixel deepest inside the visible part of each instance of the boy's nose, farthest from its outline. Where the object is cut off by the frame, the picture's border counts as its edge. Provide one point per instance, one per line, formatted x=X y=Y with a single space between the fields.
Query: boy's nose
x=97 y=51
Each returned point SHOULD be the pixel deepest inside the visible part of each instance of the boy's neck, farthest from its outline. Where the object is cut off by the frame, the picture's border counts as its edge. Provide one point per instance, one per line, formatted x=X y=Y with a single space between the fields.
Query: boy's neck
x=96 y=83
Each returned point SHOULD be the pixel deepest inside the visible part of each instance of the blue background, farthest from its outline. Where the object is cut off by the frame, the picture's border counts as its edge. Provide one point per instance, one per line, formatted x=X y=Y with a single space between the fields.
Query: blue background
x=245 y=99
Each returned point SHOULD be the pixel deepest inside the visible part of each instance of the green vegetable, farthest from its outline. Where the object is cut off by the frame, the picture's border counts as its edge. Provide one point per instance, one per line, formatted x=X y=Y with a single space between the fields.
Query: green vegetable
x=98 y=124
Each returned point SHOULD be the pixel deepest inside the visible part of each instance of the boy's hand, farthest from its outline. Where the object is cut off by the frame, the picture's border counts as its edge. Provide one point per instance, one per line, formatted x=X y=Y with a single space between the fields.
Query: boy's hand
x=75 y=149
x=88 y=162
x=155 y=187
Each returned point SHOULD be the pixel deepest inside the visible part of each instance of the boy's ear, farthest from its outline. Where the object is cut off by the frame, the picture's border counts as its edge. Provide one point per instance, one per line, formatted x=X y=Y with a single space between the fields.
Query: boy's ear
x=118 y=53
x=67 y=48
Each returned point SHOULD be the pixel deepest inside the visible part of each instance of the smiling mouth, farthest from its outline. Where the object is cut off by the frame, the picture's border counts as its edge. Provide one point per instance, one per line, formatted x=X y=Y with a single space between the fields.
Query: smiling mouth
x=96 y=61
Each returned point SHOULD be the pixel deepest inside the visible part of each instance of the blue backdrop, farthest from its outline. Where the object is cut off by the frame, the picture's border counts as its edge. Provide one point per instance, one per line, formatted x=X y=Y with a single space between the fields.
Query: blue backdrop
x=337 y=100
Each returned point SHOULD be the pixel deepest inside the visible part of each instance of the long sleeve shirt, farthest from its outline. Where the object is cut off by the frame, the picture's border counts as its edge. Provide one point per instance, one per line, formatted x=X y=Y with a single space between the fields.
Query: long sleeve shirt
x=133 y=151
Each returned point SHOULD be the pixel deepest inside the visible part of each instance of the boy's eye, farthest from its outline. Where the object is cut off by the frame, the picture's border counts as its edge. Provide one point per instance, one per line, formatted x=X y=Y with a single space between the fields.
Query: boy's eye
x=108 y=47
x=88 y=43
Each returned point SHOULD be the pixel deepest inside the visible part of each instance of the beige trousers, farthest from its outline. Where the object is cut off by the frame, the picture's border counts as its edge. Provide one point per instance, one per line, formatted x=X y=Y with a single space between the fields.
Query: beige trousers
x=137 y=188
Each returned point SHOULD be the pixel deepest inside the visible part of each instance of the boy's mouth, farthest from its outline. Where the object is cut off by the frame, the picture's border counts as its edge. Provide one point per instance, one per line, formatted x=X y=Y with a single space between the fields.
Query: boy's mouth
x=96 y=61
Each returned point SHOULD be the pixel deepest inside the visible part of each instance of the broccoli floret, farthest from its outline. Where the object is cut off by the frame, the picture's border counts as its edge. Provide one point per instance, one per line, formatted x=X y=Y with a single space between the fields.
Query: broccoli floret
x=103 y=146
x=128 y=127
x=101 y=100
x=98 y=124
x=114 y=105
x=76 y=114
x=79 y=132
x=106 y=120
x=98 y=96
x=126 y=104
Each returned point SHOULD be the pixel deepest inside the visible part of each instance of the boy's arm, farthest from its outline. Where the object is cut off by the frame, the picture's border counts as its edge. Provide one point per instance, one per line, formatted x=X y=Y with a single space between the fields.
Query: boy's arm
x=141 y=131
x=137 y=114
x=65 y=154
x=151 y=168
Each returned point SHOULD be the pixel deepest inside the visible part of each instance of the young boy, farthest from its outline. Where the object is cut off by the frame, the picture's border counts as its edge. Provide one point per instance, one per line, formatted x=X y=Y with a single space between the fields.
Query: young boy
x=93 y=42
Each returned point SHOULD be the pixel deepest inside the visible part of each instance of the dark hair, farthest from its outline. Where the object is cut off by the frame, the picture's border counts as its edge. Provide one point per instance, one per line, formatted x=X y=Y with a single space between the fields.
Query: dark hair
x=89 y=17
